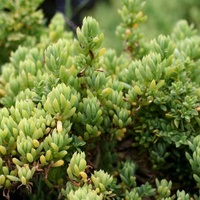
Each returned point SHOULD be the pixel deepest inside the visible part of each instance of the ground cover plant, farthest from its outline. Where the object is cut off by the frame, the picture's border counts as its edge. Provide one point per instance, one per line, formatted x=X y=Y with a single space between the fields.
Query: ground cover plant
x=79 y=121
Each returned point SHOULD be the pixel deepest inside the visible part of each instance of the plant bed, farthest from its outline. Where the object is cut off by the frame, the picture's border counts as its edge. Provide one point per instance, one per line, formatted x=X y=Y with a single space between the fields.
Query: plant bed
x=78 y=121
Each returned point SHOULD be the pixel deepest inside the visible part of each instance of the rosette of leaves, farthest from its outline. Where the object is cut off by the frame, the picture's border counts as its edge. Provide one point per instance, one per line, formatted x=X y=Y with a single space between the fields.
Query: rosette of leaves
x=89 y=116
x=61 y=102
x=77 y=167
x=99 y=183
x=81 y=194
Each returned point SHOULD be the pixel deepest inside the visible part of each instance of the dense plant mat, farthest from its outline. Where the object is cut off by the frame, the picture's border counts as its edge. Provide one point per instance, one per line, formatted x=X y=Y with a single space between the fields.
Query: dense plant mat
x=78 y=121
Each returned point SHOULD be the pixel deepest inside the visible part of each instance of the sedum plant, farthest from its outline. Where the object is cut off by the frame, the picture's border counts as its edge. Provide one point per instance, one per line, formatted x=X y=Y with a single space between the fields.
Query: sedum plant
x=78 y=121
x=22 y=24
x=129 y=29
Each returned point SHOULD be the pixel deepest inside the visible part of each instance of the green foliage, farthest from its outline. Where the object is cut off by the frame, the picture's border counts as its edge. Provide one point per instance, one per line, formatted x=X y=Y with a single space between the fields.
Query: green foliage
x=88 y=124
x=61 y=102
x=132 y=15
x=21 y=24
x=77 y=167
x=194 y=158
x=81 y=194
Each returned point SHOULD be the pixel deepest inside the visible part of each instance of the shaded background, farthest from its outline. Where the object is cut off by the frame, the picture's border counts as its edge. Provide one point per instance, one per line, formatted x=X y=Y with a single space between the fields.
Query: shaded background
x=162 y=16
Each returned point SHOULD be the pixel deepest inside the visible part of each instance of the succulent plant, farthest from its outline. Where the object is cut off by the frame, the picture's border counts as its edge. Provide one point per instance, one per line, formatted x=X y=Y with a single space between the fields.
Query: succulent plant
x=78 y=121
